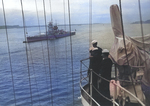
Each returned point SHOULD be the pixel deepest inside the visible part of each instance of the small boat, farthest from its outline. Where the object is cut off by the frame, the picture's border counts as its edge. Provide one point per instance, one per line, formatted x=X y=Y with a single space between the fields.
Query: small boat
x=52 y=33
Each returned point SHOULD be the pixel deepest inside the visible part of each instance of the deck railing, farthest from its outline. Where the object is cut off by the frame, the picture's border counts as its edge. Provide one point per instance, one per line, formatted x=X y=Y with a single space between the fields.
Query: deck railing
x=85 y=77
x=84 y=67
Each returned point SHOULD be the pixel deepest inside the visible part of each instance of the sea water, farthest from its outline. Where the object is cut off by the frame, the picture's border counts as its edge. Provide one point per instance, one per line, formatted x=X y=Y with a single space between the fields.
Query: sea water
x=47 y=73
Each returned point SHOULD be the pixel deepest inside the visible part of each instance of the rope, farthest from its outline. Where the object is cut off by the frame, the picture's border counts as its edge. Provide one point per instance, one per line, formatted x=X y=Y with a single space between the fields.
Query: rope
x=119 y=87
x=37 y=16
x=66 y=49
x=98 y=93
x=26 y=51
x=84 y=65
x=56 y=69
x=141 y=24
x=55 y=64
x=87 y=93
x=64 y=15
x=9 y=52
x=42 y=46
x=34 y=75
x=109 y=82
x=123 y=31
x=127 y=92
x=50 y=10
x=105 y=97
x=142 y=34
x=125 y=43
x=32 y=60
x=48 y=52
x=71 y=49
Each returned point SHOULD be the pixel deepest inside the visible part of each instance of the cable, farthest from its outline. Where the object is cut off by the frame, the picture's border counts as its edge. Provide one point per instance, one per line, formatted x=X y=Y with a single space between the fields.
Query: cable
x=128 y=92
x=141 y=23
x=66 y=48
x=34 y=74
x=26 y=51
x=50 y=10
x=64 y=14
x=32 y=63
x=9 y=52
x=42 y=45
x=56 y=69
x=71 y=49
x=125 y=44
x=48 y=52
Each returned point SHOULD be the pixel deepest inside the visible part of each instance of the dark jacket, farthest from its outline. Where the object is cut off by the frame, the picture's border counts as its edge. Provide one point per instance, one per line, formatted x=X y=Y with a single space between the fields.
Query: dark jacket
x=96 y=59
x=105 y=72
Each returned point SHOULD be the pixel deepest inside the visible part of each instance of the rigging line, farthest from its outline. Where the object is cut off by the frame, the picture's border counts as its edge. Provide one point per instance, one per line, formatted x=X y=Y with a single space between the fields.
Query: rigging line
x=66 y=68
x=34 y=74
x=9 y=52
x=56 y=72
x=38 y=17
x=48 y=53
x=123 y=31
x=66 y=48
x=30 y=52
x=33 y=70
x=119 y=87
x=90 y=22
x=54 y=47
x=71 y=49
x=125 y=44
x=42 y=46
x=141 y=103
x=26 y=50
x=50 y=10
x=64 y=14
x=141 y=23
x=56 y=65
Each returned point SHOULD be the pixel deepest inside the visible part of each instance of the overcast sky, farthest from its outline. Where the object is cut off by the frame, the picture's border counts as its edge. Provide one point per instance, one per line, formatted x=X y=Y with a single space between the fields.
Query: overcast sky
x=79 y=11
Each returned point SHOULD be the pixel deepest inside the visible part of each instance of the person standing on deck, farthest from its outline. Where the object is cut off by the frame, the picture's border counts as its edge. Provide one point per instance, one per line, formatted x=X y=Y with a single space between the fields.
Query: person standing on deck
x=95 y=65
x=105 y=72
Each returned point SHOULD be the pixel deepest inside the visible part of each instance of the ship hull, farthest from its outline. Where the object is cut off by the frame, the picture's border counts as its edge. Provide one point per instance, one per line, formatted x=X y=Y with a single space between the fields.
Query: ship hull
x=47 y=37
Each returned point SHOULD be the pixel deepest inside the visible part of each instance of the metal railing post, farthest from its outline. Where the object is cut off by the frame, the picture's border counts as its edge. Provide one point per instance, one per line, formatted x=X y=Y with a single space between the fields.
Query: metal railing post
x=91 y=74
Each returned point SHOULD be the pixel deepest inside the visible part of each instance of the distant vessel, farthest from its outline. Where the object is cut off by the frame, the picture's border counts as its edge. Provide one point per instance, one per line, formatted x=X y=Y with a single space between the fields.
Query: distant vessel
x=53 y=33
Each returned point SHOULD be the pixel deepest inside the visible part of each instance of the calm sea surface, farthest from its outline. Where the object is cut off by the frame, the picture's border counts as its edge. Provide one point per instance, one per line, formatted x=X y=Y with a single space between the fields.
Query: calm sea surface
x=47 y=73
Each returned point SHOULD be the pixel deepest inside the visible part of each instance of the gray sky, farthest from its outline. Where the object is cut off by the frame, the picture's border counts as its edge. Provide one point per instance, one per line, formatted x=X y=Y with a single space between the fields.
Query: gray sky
x=79 y=11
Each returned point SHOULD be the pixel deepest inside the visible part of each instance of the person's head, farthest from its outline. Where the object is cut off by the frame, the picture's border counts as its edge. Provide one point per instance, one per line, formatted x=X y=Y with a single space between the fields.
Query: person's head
x=105 y=53
x=94 y=43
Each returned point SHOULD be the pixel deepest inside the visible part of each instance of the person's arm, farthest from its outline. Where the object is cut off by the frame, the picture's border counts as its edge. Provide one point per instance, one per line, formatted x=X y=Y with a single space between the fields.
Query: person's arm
x=90 y=54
